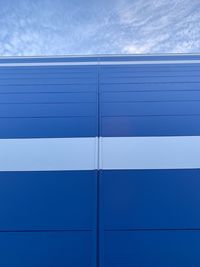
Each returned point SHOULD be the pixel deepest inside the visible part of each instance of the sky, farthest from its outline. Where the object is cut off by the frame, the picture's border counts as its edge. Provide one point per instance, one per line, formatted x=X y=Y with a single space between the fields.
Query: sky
x=82 y=27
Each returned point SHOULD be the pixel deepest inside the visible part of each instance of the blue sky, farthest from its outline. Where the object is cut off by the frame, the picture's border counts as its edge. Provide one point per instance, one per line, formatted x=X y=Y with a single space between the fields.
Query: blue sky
x=57 y=27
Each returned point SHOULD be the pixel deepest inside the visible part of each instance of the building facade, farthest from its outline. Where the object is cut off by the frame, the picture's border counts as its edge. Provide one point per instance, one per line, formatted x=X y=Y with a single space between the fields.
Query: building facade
x=100 y=161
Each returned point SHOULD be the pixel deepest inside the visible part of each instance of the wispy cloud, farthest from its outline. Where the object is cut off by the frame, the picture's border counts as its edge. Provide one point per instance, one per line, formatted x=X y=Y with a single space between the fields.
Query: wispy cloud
x=51 y=27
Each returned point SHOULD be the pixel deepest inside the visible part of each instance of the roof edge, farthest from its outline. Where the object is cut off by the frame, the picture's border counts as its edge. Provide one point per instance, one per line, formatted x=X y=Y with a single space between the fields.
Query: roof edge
x=101 y=55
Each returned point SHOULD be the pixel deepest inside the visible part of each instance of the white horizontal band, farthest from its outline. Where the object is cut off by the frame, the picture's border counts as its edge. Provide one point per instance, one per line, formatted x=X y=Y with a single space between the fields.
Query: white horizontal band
x=48 y=154
x=88 y=63
x=149 y=62
x=102 y=55
x=180 y=152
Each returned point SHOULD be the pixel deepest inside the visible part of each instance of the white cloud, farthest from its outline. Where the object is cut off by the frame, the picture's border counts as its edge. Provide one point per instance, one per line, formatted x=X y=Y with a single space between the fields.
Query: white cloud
x=136 y=49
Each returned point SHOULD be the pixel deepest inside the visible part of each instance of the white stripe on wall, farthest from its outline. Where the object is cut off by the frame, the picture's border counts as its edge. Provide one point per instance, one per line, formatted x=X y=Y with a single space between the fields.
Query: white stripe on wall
x=150 y=152
x=96 y=63
x=149 y=62
x=48 y=154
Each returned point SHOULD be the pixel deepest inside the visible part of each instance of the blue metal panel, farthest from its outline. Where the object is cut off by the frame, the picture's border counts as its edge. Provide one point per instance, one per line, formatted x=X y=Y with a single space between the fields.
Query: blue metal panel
x=148 y=71
x=150 y=96
x=36 y=74
x=48 y=88
x=48 y=218
x=33 y=249
x=139 y=87
x=68 y=75
x=48 y=127
x=48 y=101
x=159 y=108
x=75 y=71
x=47 y=200
x=151 y=126
x=136 y=102
x=151 y=199
x=46 y=59
x=48 y=98
x=47 y=110
x=51 y=81
x=149 y=80
x=149 y=217
x=152 y=248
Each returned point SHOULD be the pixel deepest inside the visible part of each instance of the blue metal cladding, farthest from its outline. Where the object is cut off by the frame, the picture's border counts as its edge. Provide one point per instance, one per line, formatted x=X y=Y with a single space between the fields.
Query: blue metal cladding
x=150 y=100
x=149 y=217
x=152 y=248
x=53 y=248
x=90 y=213
x=151 y=199
x=48 y=102
x=43 y=200
x=48 y=218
